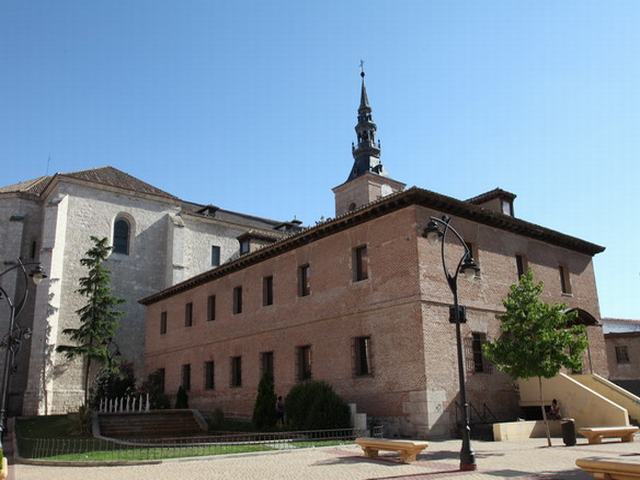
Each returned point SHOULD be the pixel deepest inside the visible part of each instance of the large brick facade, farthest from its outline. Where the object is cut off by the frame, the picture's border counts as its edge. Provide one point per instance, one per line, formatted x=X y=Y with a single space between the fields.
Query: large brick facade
x=403 y=306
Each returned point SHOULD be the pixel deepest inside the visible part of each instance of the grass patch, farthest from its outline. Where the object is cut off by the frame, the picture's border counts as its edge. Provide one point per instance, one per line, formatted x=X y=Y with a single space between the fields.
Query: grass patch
x=320 y=443
x=50 y=426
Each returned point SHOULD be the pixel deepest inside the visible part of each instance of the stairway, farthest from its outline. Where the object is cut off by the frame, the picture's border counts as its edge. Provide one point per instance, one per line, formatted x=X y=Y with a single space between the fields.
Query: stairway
x=613 y=392
x=153 y=424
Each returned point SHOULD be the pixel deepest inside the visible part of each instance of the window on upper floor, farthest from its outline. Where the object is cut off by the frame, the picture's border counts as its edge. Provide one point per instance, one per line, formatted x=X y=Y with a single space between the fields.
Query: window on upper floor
x=507 y=207
x=209 y=378
x=163 y=323
x=362 y=352
x=186 y=377
x=565 y=279
x=303 y=359
x=121 y=231
x=622 y=354
x=521 y=265
x=188 y=314
x=304 y=287
x=211 y=308
x=236 y=371
x=360 y=262
x=244 y=246
x=237 y=300
x=267 y=290
x=474 y=354
x=215 y=255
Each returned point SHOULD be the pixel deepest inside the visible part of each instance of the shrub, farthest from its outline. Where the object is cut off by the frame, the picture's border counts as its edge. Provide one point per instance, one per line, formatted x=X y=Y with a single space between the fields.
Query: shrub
x=114 y=383
x=153 y=386
x=264 y=411
x=314 y=406
x=182 y=398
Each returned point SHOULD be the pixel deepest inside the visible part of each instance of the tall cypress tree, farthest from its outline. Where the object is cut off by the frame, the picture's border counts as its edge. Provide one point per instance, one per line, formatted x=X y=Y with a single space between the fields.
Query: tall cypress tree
x=537 y=339
x=99 y=318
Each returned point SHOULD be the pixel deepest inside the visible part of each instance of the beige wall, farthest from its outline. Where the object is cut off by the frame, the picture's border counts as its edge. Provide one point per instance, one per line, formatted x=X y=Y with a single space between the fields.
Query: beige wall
x=623 y=371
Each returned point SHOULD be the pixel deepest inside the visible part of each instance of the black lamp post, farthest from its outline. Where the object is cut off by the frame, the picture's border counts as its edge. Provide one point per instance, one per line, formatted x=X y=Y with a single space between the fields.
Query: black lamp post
x=14 y=337
x=437 y=230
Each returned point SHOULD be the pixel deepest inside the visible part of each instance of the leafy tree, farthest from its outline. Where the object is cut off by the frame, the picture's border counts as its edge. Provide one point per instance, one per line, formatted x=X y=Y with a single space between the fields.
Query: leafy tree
x=99 y=318
x=182 y=398
x=264 y=411
x=537 y=339
x=116 y=382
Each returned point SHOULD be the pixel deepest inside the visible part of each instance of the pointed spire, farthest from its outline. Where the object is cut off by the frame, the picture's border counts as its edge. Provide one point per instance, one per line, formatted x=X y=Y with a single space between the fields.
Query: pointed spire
x=366 y=153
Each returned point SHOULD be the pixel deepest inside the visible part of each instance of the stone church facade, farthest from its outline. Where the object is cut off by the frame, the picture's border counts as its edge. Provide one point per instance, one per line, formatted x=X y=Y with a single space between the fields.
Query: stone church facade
x=160 y=240
x=360 y=301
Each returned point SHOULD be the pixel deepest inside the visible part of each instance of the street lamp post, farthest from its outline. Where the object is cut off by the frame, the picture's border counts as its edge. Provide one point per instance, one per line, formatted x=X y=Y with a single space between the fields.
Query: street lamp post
x=15 y=334
x=437 y=230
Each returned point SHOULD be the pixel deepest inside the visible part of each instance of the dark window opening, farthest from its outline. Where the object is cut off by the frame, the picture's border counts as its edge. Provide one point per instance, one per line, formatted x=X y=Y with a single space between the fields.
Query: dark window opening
x=211 y=308
x=565 y=281
x=476 y=362
x=304 y=363
x=237 y=300
x=360 y=263
x=622 y=354
x=266 y=363
x=121 y=237
x=186 y=377
x=215 y=256
x=33 y=249
x=362 y=347
x=188 y=314
x=163 y=323
x=304 y=287
x=209 y=383
x=521 y=265
x=236 y=371
x=244 y=247
x=267 y=291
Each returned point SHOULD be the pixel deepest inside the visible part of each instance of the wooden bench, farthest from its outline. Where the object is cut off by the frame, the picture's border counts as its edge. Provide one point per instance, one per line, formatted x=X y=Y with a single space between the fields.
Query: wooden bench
x=596 y=434
x=602 y=468
x=408 y=449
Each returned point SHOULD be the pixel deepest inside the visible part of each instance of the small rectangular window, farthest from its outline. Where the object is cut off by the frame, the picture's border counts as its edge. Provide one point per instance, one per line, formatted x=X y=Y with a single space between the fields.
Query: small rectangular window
x=304 y=288
x=362 y=352
x=33 y=249
x=244 y=246
x=622 y=354
x=160 y=374
x=266 y=363
x=186 y=377
x=163 y=323
x=237 y=300
x=267 y=291
x=215 y=256
x=565 y=280
x=521 y=265
x=478 y=339
x=188 y=314
x=209 y=376
x=211 y=308
x=236 y=371
x=507 y=207
x=360 y=263
x=304 y=363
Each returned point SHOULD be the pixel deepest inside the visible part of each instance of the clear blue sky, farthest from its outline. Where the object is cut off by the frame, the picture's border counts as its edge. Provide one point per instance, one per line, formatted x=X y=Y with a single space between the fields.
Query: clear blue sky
x=251 y=105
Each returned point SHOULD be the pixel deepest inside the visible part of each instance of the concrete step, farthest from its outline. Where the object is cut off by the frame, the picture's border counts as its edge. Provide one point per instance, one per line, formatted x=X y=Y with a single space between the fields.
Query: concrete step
x=159 y=423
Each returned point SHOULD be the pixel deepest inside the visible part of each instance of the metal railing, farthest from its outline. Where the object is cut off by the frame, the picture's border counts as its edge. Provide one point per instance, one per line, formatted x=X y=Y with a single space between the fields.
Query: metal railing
x=130 y=449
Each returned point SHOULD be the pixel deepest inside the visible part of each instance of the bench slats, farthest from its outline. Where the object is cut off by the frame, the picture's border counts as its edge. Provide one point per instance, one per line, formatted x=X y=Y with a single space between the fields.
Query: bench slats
x=408 y=449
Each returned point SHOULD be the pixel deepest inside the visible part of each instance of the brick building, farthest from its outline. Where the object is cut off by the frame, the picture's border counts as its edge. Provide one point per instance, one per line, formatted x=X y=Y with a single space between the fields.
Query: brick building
x=361 y=302
x=622 y=339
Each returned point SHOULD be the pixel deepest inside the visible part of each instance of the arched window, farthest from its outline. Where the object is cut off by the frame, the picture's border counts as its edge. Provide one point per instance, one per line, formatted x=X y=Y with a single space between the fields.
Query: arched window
x=121 y=236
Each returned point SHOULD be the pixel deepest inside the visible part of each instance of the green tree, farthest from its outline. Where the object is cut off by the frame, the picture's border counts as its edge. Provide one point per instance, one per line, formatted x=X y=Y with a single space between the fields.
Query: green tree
x=314 y=405
x=537 y=339
x=264 y=410
x=99 y=318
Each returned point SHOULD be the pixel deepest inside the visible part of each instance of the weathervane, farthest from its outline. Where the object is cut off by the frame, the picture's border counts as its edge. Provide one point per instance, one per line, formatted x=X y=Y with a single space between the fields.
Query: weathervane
x=362 y=68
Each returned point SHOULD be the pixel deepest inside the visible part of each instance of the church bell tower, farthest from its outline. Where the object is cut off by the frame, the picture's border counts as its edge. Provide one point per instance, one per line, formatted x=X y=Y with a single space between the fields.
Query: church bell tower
x=368 y=180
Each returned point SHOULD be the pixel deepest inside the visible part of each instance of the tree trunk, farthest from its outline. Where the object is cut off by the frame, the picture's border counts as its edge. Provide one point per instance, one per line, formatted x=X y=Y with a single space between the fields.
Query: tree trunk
x=544 y=413
x=86 y=380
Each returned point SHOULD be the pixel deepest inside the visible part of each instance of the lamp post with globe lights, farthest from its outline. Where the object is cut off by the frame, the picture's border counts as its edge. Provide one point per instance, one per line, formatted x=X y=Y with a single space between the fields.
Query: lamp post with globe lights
x=13 y=339
x=436 y=231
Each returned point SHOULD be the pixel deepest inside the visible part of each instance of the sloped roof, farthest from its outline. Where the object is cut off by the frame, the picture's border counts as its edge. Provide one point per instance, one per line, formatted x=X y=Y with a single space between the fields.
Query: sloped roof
x=490 y=195
x=378 y=208
x=35 y=186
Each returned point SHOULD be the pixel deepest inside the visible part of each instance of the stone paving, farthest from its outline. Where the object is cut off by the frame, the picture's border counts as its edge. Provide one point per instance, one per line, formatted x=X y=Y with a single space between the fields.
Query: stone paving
x=528 y=459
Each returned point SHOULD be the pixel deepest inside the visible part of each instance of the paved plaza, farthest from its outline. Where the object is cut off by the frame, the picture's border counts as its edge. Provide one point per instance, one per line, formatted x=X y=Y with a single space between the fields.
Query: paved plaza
x=524 y=459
